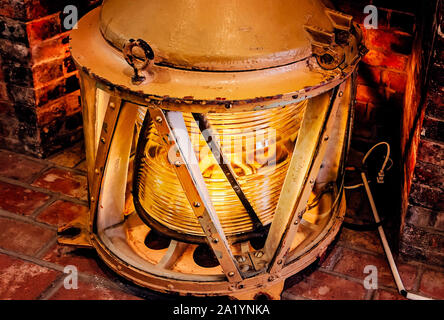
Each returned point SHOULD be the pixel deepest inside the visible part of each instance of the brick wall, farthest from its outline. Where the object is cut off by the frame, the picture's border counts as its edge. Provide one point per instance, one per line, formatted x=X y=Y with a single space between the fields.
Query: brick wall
x=390 y=107
x=422 y=235
x=39 y=89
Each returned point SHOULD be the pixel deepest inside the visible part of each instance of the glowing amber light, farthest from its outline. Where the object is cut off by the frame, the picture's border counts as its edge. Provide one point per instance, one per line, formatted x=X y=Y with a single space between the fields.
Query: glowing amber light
x=258 y=145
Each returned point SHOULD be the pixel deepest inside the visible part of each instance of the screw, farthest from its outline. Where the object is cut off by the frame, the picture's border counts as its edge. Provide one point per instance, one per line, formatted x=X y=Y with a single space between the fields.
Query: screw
x=177 y=163
x=103 y=140
x=112 y=105
x=197 y=204
x=241 y=259
x=341 y=94
x=231 y=273
x=159 y=119
x=97 y=171
x=215 y=241
x=258 y=254
x=326 y=138
x=279 y=262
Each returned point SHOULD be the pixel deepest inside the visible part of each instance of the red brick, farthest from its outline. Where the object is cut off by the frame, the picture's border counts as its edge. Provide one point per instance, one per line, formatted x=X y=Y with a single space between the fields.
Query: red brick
x=84 y=259
x=352 y=263
x=19 y=200
x=431 y=152
x=62 y=212
x=23 y=237
x=368 y=240
x=322 y=286
x=368 y=94
x=21 y=280
x=65 y=182
x=89 y=291
x=50 y=49
x=387 y=40
x=16 y=167
x=47 y=71
x=388 y=295
x=69 y=157
x=432 y=284
x=395 y=80
x=67 y=105
x=369 y=75
x=45 y=28
x=386 y=60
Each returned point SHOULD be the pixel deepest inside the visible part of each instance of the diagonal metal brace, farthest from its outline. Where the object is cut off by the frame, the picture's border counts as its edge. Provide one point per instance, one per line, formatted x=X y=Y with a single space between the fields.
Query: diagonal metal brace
x=224 y=164
x=172 y=129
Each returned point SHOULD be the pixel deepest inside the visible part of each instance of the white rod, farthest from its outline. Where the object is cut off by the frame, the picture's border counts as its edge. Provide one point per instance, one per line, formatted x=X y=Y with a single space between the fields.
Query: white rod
x=386 y=246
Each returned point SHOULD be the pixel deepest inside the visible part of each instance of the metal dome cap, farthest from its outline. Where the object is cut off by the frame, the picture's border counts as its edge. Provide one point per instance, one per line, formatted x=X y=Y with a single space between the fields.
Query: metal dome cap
x=216 y=55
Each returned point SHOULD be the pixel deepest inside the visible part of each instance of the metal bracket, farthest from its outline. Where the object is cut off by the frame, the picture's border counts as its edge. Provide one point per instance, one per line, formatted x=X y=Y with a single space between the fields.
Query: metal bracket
x=304 y=167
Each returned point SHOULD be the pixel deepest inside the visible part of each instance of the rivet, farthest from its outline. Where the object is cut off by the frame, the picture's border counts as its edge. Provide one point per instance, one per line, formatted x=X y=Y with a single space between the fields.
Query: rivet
x=92 y=199
x=296 y=222
x=279 y=262
x=215 y=240
x=170 y=286
x=159 y=119
x=326 y=138
x=102 y=140
x=258 y=254
x=271 y=278
x=312 y=181
x=119 y=267
x=112 y=105
x=341 y=93
x=240 y=286
x=231 y=274
x=228 y=106
x=97 y=171
x=177 y=163
x=196 y=204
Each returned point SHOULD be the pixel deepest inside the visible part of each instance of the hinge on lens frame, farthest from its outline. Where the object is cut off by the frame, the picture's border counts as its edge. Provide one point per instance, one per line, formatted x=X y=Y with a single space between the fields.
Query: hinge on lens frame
x=327 y=46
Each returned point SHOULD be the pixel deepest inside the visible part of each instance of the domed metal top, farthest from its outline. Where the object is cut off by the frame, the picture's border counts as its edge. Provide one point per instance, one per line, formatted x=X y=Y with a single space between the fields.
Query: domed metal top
x=223 y=35
x=272 y=52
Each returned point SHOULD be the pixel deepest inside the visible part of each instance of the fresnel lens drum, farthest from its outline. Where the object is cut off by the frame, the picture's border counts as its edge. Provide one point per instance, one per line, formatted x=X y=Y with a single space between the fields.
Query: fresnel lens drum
x=216 y=134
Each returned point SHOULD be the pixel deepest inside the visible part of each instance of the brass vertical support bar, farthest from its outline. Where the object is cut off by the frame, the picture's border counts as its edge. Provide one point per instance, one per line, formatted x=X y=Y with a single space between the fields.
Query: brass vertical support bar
x=106 y=136
x=301 y=176
x=172 y=129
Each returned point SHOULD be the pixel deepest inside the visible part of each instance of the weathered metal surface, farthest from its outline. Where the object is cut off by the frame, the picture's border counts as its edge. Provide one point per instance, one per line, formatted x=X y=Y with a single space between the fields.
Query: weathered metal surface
x=213 y=57
x=218 y=34
x=204 y=92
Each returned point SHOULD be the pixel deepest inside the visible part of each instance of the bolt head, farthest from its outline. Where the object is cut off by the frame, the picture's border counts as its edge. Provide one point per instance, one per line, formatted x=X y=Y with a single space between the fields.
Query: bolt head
x=258 y=254
x=159 y=119
x=231 y=273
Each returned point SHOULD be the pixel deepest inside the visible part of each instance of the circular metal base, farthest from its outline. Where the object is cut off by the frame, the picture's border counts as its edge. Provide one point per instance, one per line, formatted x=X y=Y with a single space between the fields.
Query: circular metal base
x=173 y=270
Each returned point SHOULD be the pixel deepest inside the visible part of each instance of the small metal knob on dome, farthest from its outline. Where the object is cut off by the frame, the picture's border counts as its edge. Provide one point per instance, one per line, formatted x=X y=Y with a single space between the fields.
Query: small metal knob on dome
x=137 y=63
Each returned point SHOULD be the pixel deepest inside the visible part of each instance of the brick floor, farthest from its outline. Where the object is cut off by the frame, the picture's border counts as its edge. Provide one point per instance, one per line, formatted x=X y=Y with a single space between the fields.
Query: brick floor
x=38 y=195
x=20 y=280
x=20 y=200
